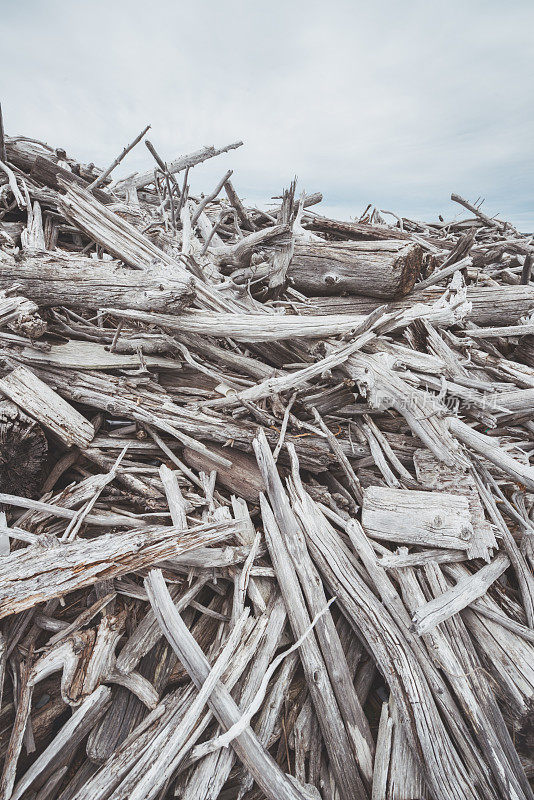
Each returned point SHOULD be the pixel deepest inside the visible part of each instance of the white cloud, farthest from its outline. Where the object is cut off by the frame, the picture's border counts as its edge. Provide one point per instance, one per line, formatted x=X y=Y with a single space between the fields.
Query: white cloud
x=397 y=103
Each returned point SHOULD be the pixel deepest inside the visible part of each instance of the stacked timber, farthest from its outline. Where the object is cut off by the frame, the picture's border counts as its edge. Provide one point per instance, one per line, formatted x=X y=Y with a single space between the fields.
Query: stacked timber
x=266 y=499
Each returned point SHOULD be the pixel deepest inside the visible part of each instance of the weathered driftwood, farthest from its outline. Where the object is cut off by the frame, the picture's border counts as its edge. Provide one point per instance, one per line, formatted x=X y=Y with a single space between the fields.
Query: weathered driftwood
x=46 y=171
x=264 y=769
x=410 y=517
x=242 y=477
x=179 y=164
x=49 y=280
x=262 y=328
x=19 y=313
x=490 y=305
x=330 y=687
x=385 y=269
x=38 y=573
x=135 y=421
x=70 y=735
x=460 y=596
x=455 y=653
x=28 y=392
x=424 y=728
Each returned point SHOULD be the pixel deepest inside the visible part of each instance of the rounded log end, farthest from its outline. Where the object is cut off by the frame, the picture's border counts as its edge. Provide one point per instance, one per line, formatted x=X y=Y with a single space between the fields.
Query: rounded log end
x=408 y=268
x=23 y=451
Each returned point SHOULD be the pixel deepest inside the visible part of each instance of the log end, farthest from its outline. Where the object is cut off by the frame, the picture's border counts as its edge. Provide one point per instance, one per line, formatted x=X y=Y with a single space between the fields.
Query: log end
x=23 y=451
x=407 y=268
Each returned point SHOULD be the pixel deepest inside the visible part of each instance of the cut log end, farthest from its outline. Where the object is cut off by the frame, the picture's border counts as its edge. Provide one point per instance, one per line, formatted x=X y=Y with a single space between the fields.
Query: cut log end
x=407 y=267
x=23 y=451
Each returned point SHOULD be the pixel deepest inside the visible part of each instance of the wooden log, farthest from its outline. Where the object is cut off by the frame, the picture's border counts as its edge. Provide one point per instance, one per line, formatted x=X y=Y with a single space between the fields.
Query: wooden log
x=37 y=574
x=242 y=477
x=57 y=279
x=410 y=517
x=179 y=164
x=382 y=625
x=268 y=775
x=458 y=597
x=23 y=451
x=29 y=392
x=524 y=351
x=362 y=231
x=12 y=229
x=386 y=269
x=68 y=738
x=432 y=474
x=490 y=305
x=325 y=666
x=46 y=171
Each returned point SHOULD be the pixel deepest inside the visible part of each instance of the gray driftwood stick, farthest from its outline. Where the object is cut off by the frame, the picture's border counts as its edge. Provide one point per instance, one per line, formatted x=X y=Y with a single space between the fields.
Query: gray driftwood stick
x=179 y=164
x=70 y=735
x=266 y=772
x=458 y=597
x=325 y=703
x=383 y=630
x=490 y=305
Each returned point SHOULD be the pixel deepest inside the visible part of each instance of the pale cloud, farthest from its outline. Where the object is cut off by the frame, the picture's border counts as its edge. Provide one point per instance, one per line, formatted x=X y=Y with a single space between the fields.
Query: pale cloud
x=393 y=103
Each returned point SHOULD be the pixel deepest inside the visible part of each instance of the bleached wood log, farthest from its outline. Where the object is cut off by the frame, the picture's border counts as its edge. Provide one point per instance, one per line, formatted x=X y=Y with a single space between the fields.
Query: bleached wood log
x=269 y=715
x=121 y=239
x=490 y=305
x=144 y=746
x=402 y=558
x=488 y=447
x=410 y=517
x=510 y=660
x=58 y=279
x=385 y=269
x=383 y=755
x=385 y=388
x=318 y=680
x=179 y=164
x=242 y=477
x=93 y=355
x=453 y=651
x=36 y=574
x=22 y=151
x=148 y=632
x=459 y=596
x=12 y=230
x=19 y=313
x=211 y=774
x=38 y=400
x=405 y=776
x=147 y=785
x=246 y=327
x=46 y=171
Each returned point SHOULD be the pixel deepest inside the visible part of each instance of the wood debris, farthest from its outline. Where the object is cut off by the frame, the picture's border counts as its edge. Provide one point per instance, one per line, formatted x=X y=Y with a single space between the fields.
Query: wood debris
x=266 y=498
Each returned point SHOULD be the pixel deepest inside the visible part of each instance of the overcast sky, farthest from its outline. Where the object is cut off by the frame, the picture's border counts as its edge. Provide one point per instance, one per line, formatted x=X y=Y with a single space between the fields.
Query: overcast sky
x=391 y=103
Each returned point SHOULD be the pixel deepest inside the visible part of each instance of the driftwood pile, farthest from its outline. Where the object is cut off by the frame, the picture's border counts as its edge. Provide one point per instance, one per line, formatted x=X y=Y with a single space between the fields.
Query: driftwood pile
x=267 y=505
